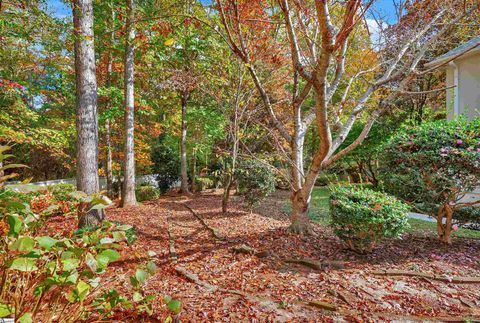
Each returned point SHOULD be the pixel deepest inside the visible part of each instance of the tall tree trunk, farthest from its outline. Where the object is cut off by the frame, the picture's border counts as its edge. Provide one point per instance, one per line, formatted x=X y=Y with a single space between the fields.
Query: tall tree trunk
x=183 y=146
x=301 y=195
x=128 y=192
x=445 y=230
x=108 y=140
x=86 y=106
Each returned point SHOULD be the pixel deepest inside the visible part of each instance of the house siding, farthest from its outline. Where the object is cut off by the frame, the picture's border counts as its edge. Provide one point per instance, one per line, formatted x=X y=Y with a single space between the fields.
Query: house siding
x=468 y=87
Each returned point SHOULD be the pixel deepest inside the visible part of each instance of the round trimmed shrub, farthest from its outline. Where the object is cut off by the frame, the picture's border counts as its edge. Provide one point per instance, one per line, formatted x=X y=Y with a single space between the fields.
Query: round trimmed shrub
x=147 y=193
x=361 y=217
x=256 y=180
x=432 y=166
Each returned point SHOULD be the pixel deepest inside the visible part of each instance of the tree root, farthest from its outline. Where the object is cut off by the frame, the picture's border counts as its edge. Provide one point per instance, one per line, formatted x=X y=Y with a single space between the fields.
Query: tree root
x=303 y=229
x=212 y=288
x=345 y=296
x=213 y=232
x=171 y=242
x=322 y=305
x=306 y=262
x=314 y=264
x=454 y=279
x=250 y=251
x=194 y=279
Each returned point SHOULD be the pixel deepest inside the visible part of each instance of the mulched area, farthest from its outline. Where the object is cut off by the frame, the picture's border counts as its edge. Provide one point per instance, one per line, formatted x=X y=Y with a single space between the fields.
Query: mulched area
x=239 y=287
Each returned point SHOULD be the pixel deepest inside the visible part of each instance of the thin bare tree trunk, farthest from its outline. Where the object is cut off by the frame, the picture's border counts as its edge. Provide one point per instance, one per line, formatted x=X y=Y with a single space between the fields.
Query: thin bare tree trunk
x=183 y=146
x=2 y=173
x=230 y=178
x=226 y=193
x=109 y=161
x=194 y=170
x=86 y=106
x=108 y=140
x=128 y=192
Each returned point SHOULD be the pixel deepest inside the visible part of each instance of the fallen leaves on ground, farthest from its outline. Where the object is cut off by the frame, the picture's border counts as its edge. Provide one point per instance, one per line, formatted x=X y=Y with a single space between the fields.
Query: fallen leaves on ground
x=252 y=288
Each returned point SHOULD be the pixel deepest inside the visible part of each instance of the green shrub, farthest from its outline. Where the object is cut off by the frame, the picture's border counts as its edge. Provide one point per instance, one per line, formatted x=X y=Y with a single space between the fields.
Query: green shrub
x=282 y=181
x=147 y=193
x=204 y=183
x=432 y=166
x=166 y=164
x=61 y=192
x=256 y=180
x=361 y=217
x=326 y=178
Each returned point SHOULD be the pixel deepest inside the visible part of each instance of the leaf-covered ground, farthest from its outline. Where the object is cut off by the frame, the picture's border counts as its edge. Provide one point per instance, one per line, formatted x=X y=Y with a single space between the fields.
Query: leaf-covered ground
x=216 y=284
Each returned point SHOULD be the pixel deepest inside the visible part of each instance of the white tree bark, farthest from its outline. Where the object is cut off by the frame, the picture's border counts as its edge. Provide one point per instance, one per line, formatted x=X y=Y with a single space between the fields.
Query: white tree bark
x=128 y=191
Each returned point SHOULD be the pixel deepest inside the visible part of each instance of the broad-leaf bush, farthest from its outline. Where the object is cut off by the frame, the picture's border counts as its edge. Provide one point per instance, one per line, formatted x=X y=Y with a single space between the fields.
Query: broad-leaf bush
x=361 y=217
x=256 y=180
x=59 y=277
x=45 y=277
x=433 y=166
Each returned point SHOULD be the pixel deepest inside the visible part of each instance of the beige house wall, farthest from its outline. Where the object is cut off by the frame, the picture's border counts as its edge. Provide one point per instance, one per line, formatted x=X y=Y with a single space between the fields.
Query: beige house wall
x=468 y=69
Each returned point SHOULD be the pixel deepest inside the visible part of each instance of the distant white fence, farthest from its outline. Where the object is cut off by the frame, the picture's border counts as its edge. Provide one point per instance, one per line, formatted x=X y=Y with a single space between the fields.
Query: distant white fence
x=143 y=179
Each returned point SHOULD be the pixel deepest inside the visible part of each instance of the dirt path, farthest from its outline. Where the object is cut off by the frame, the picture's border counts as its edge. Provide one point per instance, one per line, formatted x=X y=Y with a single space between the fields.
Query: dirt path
x=232 y=287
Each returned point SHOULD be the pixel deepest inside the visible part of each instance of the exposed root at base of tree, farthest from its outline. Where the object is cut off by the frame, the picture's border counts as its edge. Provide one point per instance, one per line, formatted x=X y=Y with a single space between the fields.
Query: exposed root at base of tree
x=454 y=279
x=301 y=228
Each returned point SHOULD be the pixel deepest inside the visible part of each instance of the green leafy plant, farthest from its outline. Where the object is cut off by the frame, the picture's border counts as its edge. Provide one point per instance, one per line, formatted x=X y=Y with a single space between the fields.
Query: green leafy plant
x=204 y=183
x=62 y=192
x=147 y=193
x=3 y=166
x=45 y=277
x=256 y=180
x=434 y=166
x=361 y=217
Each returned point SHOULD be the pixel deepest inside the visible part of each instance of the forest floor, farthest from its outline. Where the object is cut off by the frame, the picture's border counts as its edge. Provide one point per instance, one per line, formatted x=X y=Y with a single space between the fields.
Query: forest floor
x=240 y=267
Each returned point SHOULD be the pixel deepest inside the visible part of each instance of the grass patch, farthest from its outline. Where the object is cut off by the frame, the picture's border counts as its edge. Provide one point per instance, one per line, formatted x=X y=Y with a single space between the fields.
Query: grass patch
x=319 y=212
x=417 y=225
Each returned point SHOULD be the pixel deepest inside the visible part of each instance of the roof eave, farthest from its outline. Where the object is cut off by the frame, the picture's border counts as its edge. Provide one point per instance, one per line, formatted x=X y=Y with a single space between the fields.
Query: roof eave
x=443 y=60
